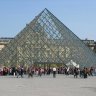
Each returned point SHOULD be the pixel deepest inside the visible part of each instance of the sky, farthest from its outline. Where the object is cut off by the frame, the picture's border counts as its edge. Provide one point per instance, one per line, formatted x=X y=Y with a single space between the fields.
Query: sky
x=78 y=15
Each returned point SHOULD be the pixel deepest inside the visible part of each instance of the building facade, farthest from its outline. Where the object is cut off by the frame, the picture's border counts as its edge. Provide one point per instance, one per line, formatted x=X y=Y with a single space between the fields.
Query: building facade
x=91 y=44
x=4 y=41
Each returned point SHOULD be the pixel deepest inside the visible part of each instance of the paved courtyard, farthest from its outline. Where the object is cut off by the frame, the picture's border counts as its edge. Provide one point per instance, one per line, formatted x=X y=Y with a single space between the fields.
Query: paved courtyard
x=47 y=86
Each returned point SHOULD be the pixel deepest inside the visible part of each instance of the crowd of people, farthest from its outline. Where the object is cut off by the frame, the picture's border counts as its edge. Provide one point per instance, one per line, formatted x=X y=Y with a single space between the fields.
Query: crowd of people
x=39 y=71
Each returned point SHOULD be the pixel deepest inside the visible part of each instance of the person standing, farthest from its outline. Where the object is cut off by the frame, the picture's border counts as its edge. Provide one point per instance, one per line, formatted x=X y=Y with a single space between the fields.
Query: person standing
x=21 y=72
x=54 y=72
x=76 y=72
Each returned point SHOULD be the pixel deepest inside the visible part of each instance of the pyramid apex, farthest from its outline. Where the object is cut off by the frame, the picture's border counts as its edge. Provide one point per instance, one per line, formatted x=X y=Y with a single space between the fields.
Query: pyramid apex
x=45 y=9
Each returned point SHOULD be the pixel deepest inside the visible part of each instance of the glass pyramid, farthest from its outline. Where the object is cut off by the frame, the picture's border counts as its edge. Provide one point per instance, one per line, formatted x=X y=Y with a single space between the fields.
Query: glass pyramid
x=46 y=40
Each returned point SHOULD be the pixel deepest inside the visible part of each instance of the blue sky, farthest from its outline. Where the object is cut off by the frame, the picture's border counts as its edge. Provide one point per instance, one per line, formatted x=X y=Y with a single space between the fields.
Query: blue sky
x=77 y=15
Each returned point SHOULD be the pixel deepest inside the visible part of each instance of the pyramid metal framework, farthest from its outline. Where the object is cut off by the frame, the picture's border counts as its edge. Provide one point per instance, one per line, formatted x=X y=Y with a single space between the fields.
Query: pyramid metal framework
x=46 y=40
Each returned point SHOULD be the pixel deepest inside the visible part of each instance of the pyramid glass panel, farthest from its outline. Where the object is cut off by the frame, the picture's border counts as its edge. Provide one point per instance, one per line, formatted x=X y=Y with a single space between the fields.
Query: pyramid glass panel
x=46 y=40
